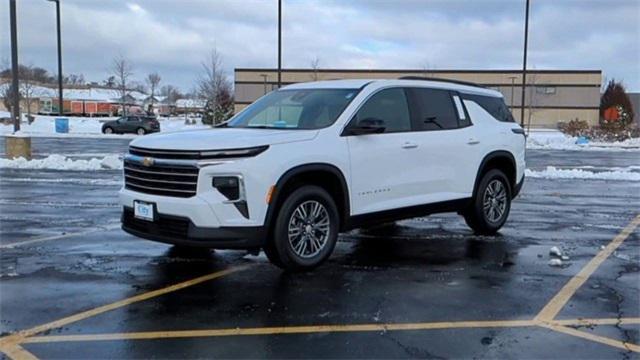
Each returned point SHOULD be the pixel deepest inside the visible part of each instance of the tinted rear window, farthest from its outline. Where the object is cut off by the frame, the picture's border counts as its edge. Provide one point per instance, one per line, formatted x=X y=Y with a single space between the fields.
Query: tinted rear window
x=493 y=105
x=434 y=109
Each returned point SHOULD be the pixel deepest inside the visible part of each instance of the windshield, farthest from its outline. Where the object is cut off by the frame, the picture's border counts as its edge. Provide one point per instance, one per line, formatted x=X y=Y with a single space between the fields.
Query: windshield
x=295 y=109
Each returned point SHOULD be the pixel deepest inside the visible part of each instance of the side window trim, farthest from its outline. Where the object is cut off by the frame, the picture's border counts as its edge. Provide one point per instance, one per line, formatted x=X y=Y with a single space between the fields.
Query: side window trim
x=464 y=109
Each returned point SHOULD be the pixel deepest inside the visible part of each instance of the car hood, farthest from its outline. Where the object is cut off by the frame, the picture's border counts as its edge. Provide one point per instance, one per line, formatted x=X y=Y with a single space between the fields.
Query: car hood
x=221 y=138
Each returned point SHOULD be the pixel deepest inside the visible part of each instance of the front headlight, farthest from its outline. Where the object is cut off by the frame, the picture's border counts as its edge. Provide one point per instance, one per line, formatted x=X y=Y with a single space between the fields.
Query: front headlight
x=233 y=153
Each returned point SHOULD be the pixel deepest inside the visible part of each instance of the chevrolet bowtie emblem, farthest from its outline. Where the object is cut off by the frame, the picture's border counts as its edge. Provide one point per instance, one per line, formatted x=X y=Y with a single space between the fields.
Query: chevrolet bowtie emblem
x=147 y=161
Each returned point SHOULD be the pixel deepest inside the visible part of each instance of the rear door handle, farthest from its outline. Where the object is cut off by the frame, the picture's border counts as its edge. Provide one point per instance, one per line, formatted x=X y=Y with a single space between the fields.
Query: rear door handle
x=473 y=141
x=409 y=145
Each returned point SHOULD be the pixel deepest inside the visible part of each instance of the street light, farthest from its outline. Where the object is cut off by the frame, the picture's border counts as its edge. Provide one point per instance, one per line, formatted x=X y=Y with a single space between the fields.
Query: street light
x=14 y=65
x=60 y=106
x=513 y=83
x=264 y=78
x=279 y=44
x=524 y=62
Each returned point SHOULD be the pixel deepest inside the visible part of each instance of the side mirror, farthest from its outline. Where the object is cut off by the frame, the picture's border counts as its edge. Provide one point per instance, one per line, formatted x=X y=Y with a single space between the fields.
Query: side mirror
x=368 y=126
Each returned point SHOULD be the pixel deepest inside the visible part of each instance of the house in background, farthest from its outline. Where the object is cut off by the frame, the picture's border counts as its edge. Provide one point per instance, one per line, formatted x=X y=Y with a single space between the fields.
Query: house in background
x=194 y=106
x=162 y=106
x=78 y=100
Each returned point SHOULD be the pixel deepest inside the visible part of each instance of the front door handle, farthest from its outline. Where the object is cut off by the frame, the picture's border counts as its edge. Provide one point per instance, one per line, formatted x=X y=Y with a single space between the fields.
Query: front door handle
x=473 y=141
x=409 y=145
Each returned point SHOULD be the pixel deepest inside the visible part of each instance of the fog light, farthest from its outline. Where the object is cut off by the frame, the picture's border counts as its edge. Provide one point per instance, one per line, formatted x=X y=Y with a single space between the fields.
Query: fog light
x=229 y=186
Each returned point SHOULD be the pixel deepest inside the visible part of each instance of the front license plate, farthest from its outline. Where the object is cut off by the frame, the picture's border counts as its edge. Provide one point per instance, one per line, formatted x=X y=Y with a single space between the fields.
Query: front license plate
x=143 y=210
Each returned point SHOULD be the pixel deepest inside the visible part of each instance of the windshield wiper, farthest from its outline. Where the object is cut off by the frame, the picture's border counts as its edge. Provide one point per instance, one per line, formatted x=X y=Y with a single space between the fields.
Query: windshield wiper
x=261 y=127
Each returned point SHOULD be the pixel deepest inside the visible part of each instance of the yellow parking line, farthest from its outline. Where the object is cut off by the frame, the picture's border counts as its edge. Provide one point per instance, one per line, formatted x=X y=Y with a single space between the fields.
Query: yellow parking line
x=588 y=322
x=17 y=352
x=19 y=336
x=551 y=310
x=280 y=330
x=588 y=336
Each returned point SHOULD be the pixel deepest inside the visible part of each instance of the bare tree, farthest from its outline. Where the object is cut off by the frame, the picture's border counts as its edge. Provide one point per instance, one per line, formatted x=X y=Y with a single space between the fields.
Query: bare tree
x=27 y=86
x=122 y=70
x=110 y=82
x=535 y=93
x=6 y=93
x=153 y=81
x=171 y=92
x=210 y=85
x=427 y=69
x=74 y=79
x=315 y=66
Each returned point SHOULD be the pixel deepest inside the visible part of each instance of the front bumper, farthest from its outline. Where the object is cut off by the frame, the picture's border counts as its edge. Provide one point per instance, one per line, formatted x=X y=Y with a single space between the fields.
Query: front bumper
x=182 y=231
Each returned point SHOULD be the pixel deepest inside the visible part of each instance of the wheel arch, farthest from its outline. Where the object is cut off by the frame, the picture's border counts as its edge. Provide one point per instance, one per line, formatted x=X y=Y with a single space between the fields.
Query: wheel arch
x=502 y=160
x=324 y=175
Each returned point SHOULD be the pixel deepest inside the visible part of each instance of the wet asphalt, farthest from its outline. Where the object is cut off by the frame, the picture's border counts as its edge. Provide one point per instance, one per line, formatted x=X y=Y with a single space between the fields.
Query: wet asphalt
x=418 y=271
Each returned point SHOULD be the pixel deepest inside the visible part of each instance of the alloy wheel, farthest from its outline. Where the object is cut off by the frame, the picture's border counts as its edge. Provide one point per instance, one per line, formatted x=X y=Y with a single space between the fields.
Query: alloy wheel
x=494 y=202
x=308 y=229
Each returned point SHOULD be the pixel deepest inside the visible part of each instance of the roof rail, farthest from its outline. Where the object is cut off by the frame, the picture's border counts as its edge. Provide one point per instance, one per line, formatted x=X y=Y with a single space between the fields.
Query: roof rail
x=424 y=78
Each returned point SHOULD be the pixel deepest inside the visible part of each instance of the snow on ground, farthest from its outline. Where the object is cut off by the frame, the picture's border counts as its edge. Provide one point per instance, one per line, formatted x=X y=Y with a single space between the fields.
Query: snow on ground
x=556 y=140
x=44 y=126
x=59 y=162
x=629 y=173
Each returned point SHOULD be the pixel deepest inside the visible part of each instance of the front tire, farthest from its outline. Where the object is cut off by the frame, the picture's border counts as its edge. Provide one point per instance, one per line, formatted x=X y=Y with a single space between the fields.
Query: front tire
x=141 y=131
x=490 y=208
x=107 y=130
x=305 y=231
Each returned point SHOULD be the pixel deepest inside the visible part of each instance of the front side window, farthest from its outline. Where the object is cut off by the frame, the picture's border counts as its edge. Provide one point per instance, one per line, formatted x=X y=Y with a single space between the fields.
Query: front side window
x=390 y=106
x=435 y=109
x=295 y=109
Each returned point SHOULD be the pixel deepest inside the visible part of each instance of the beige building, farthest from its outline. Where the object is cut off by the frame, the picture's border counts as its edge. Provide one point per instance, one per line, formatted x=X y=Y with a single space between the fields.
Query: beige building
x=552 y=96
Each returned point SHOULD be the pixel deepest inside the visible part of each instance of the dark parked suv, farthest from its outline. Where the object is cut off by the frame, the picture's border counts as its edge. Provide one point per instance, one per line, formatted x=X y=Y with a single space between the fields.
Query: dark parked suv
x=138 y=124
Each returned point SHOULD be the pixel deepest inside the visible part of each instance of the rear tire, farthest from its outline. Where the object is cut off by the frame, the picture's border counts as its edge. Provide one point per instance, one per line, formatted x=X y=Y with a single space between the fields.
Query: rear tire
x=490 y=208
x=141 y=131
x=305 y=231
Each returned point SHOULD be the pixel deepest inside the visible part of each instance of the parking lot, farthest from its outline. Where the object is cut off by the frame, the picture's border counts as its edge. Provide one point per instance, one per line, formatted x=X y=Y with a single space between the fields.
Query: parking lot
x=73 y=285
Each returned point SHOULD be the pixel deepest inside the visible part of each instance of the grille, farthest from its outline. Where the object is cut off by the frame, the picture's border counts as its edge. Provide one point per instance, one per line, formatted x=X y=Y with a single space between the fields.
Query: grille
x=165 y=180
x=165 y=154
x=164 y=225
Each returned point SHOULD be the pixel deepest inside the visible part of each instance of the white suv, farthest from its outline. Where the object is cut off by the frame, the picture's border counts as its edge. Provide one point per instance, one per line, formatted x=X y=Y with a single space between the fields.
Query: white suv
x=311 y=160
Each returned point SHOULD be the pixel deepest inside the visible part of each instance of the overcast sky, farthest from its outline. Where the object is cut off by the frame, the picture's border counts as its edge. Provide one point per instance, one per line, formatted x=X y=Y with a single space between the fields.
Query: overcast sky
x=173 y=37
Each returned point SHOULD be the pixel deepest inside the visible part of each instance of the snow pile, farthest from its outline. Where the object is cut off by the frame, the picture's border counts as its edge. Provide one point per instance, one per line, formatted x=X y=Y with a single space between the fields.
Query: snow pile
x=555 y=140
x=59 y=162
x=557 y=257
x=551 y=172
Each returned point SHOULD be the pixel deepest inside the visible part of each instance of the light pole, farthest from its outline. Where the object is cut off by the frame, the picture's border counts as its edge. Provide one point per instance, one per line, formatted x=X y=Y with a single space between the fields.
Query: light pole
x=513 y=84
x=14 y=66
x=279 y=44
x=524 y=62
x=60 y=103
x=264 y=81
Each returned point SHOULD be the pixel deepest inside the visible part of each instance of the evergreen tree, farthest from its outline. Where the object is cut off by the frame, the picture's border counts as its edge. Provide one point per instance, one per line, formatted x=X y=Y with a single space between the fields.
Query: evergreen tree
x=615 y=96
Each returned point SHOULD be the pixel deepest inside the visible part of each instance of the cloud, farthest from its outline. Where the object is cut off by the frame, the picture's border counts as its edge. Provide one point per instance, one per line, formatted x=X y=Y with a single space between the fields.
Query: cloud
x=173 y=37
